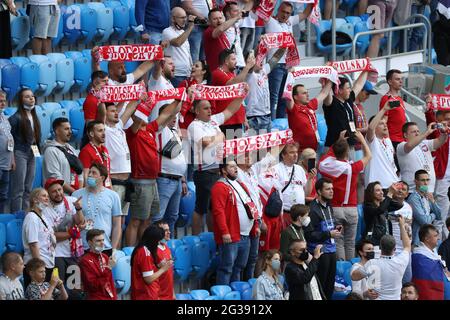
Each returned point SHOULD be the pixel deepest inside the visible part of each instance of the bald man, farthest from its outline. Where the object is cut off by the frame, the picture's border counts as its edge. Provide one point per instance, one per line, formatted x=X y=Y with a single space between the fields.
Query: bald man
x=179 y=48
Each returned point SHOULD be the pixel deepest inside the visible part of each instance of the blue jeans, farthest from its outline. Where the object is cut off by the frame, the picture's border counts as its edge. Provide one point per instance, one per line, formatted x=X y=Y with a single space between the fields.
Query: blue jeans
x=22 y=180
x=169 y=191
x=4 y=189
x=155 y=37
x=247 y=39
x=417 y=34
x=249 y=271
x=196 y=44
x=261 y=124
x=177 y=80
x=233 y=258
x=277 y=79
x=258 y=32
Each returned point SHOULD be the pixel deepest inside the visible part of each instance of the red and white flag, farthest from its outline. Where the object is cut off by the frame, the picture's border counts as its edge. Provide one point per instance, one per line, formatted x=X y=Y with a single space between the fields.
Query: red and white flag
x=266 y=8
x=357 y=65
x=279 y=40
x=120 y=93
x=131 y=52
x=144 y=109
x=299 y=73
x=439 y=102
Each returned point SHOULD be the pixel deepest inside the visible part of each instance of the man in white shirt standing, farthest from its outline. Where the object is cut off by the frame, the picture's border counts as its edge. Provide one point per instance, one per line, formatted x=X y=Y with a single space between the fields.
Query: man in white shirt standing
x=231 y=10
x=415 y=153
x=178 y=47
x=162 y=74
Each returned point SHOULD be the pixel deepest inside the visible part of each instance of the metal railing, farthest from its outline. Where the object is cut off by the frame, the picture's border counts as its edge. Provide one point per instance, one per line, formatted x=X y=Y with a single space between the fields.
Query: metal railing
x=428 y=24
x=403 y=90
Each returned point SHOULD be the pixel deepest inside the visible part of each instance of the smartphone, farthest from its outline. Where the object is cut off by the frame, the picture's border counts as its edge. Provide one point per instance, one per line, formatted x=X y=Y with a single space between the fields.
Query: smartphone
x=394 y=104
x=245 y=14
x=311 y=164
x=439 y=126
x=56 y=272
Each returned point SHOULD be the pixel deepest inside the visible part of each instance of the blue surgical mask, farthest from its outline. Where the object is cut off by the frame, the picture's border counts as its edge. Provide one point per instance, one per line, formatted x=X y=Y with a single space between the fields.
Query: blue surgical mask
x=163 y=241
x=423 y=189
x=91 y=182
x=276 y=265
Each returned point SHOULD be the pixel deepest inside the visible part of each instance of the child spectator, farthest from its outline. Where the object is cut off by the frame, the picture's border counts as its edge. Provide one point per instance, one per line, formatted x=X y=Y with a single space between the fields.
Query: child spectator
x=39 y=289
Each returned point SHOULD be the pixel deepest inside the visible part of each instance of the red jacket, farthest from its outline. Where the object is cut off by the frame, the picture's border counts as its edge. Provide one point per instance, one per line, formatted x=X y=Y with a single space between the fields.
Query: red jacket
x=441 y=154
x=98 y=281
x=225 y=212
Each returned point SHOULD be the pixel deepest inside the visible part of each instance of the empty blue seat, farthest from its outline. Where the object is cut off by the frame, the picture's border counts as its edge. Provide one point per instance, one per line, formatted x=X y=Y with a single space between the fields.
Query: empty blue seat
x=29 y=75
x=240 y=286
x=213 y=298
x=130 y=4
x=88 y=23
x=325 y=25
x=105 y=21
x=82 y=70
x=54 y=111
x=122 y=275
x=2 y=238
x=173 y=244
x=69 y=104
x=10 y=111
x=72 y=23
x=280 y=124
x=60 y=35
x=247 y=294
x=353 y=19
x=187 y=206
x=76 y=116
x=59 y=113
x=119 y=254
x=200 y=255
x=20 y=31
x=199 y=294
x=251 y=281
x=81 y=101
x=37 y=182
x=182 y=262
x=233 y=295
x=322 y=128
x=65 y=72
x=44 y=120
x=47 y=74
x=208 y=237
x=355 y=260
x=183 y=296
x=6 y=217
x=10 y=78
x=220 y=290
x=14 y=235
x=20 y=215
x=128 y=251
x=343 y=270
x=121 y=19
x=363 y=42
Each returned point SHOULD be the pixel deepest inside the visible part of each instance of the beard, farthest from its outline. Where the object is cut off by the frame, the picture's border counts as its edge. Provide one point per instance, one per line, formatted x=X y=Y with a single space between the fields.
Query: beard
x=230 y=177
x=122 y=78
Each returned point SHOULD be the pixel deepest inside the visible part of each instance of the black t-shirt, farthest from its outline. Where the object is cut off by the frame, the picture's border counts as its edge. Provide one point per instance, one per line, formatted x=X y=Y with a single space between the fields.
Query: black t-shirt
x=338 y=115
x=444 y=252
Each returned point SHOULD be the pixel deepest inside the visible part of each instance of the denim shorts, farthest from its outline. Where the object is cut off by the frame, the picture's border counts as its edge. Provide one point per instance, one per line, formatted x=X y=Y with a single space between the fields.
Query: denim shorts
x=45 y=21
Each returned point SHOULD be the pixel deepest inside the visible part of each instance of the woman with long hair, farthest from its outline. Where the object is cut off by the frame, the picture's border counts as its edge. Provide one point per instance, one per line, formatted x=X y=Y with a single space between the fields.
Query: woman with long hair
x=26 y=131
x=268 y=285
x=144 y=261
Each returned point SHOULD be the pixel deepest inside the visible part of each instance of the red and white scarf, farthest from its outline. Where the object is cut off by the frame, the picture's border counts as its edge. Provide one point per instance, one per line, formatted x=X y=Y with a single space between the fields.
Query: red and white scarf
x=278 y=40
x=120 y=93
x=334 y=168
x=298 y=73
x=145 y=108
x=439 y=102
x=266 y=8
x=131 y=52
x=357 y=65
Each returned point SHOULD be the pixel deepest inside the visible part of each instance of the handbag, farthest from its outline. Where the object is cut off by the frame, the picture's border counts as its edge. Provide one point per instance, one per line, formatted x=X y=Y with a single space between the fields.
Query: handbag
x=250 y=207
x=172 y=148
x=74 y=163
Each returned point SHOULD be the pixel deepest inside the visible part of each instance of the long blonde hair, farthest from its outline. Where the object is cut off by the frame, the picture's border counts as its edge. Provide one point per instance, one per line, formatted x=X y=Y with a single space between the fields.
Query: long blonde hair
x=34 y=195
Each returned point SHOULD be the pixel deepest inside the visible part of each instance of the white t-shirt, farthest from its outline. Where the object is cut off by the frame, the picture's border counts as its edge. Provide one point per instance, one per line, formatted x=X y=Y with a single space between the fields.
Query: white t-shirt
x=245 y=223
x=181 y=55
x=274 y=25
x=116 y=143
x=11 y=289
x=447 y=170
x=386 y=275
x=294 y=193
x=407 y=213
x=358 y=286
x=382 y=166
x=130 y=80
x=205 y=158
x=59 y=220
x=34 y=230
x=200 y=6
x=258 y=98
x=419 y=158
x=176 y=166
x=160 y=84
x=250 y=179
x=233 y=35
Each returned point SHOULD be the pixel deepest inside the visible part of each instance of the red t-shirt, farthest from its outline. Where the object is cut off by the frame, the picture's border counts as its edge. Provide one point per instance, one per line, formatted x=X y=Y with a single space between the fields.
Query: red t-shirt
x=340 y=187
x=303 y=122
x=220 y=78
x=166 y=279
x=143 y=266
x=90 y=154
x=213 y=47
x=90 y=107
x=144 y=152
x=396 y=119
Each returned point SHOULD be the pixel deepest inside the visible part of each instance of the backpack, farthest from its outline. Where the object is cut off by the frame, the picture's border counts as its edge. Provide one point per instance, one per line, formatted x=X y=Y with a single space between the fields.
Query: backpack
x=274 y=204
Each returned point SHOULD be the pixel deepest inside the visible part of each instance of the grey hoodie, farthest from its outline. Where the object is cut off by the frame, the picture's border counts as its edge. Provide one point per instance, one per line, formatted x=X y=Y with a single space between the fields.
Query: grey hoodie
x=55 y=164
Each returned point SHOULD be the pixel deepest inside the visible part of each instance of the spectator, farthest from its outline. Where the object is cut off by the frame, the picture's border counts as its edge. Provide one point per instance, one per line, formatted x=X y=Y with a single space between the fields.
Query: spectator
x=179 y=48
x=232 y=10
x=415 y=153
x=428 y=270
x=39 y=288
x=199 y=9
x=268 y=286
x=56 y=163
x=224 y=75
x=166 y=282
x=425 y=210
x=6 y=8
x=205 y=135
x=38 y=237
x=302 y=115
x=26 y=131
x=101 y=208
x=154 y=17
x=145 y=167
x=65 y=216
x=329 y=9
x=10 y=286
x=385 y=273
x=234 y=219
x=345 y=176
x=300 y=220
x=7 y=163
x=338 y=111
x=376 y=207
x=95 y=151
x=301 y=276
x=417 y=34
x=171 y=180
x=441 y=31
x=258 y=101
x=382 y=166
x=386 y=13
x=366 y=252
x=96 y=269
x=306 y=157
x=247 y=26
x=409 y=291
x=145 y=275
x=92 y=107
x=324 y=232
x=292 y=181
x=400 y=194
x=44 y=18
x=163 y=73
x=283 y=22
x=444 y=248
x=360 y=115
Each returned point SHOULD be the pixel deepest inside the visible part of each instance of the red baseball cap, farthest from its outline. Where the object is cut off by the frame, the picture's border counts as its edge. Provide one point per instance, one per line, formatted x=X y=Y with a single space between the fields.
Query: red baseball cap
x=52 y=181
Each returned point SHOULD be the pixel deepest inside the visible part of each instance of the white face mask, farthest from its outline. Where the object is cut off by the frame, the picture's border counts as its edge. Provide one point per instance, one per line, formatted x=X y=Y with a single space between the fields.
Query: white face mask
x=306 y=221
x=41 y=206
x=99 y=249
x=29 y=108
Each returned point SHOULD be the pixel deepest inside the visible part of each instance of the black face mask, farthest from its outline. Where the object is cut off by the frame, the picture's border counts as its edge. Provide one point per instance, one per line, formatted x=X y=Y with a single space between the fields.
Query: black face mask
x=370 y=255
x=230 y=177
x=304 y=255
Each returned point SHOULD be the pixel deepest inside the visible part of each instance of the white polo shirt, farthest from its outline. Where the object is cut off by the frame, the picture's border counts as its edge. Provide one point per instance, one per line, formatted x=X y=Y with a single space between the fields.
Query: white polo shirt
x=176 y=166
x=116 y=143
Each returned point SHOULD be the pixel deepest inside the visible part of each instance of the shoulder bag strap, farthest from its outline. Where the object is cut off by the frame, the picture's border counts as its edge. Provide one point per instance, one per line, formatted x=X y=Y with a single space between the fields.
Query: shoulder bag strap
x=290 y=180
x=40 y=218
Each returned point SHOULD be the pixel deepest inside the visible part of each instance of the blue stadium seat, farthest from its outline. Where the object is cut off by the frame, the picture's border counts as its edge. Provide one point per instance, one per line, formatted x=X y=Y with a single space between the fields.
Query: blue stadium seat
x=44 y=120
x=173 y=244
x=20 y=215
x=10 y=111
x=247 y=294
x=349 y=4
x=6 y=217
x=213 y=298
x=343 y=270
x=363 y=42
x=54 y=110
x=240 y=286
x=14 y=235
x=88 y=18
x=20 y=31
x=233 y=295
x=60 y=35
x=251 y=281
x=29 y=76
x=345 y=27
x=121 y=19
x=37 y=182
x=325 y=25
x=76 y=116
x=122 y=275
x=65 y=72
x=200 y=255
x=83 y=70
x=2 y=238
x=361 y=225
x=355 y=260
x=187 y=206
x=128 y=250
x=81 y=101
x=105 y=21
x=132 y=19
x=69 y=104
x=10 y=78
x=353 y=19
x=322 y=128
x=220 y=290
x=199 y=294
x=72 y=23
x=280 y=124
x=183 y=296
x=119 y=254
x=47 y=74
x=182 y=262
x=208 y=237
x=446 y=289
